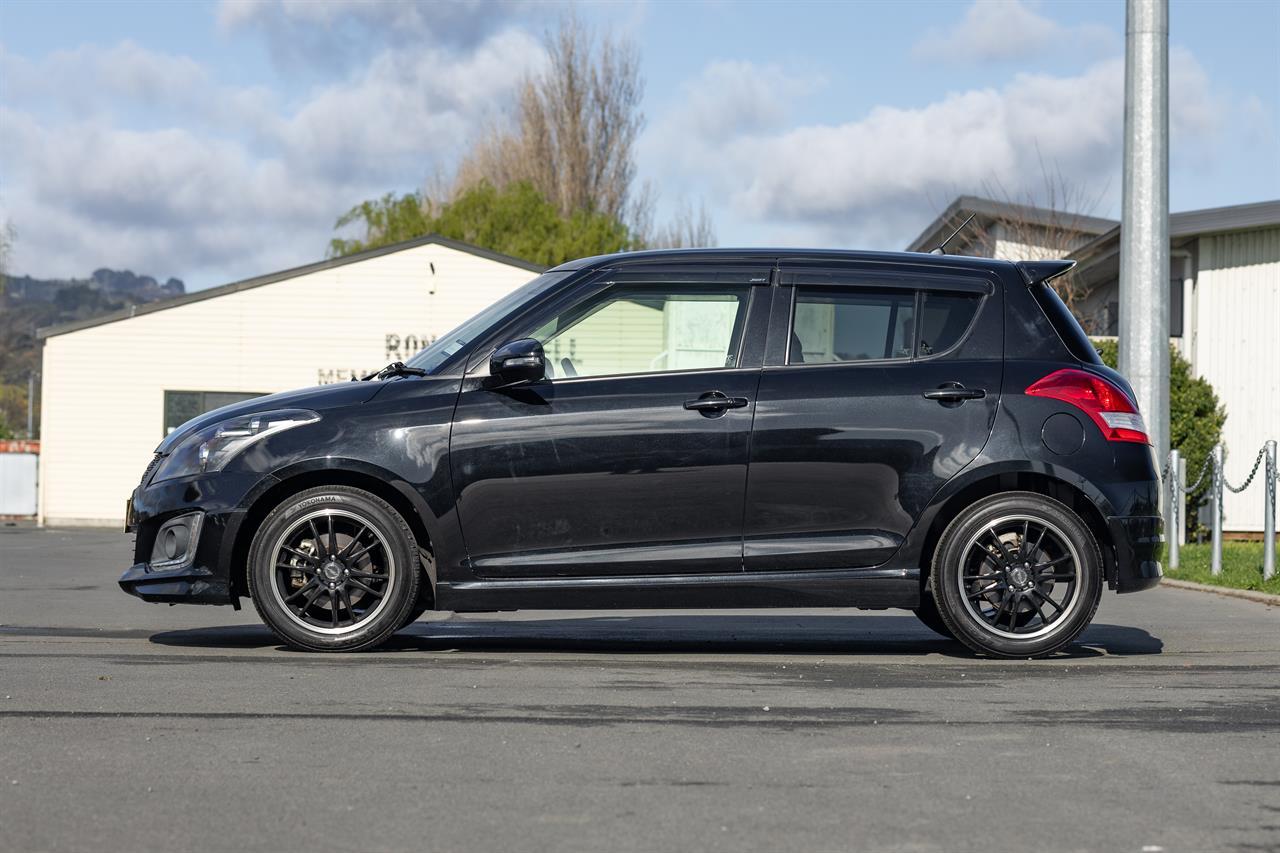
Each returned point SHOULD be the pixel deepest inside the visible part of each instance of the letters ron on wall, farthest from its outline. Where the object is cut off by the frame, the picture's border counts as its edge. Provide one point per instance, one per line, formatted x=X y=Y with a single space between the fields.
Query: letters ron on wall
x=395 y=348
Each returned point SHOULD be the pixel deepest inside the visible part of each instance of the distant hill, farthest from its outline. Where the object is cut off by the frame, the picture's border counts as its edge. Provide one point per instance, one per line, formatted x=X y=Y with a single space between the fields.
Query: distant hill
x=28 y=303
x=113 y=285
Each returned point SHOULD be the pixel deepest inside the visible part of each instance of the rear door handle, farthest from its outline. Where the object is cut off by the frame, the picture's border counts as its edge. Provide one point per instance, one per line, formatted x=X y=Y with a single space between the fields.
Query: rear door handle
x=714 y=401
x=950 y=392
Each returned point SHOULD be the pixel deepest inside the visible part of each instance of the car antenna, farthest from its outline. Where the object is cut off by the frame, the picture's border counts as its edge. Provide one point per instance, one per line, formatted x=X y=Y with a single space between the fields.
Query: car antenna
x=941 y=248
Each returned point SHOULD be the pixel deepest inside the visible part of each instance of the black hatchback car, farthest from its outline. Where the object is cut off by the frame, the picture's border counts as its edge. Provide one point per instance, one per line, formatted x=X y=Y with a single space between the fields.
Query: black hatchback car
x=685 y=429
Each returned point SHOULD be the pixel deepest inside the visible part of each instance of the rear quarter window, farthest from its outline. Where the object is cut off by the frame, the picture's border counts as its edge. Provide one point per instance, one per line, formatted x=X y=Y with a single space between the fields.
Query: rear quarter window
x=944 y=318
x=1065 y=324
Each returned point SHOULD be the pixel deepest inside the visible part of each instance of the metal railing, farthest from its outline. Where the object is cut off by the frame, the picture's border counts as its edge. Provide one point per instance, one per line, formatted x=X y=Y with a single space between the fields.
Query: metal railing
x=1174 y=476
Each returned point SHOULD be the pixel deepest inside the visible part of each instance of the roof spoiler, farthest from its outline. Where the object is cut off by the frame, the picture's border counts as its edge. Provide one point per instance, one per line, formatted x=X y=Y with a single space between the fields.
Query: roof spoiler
x=1039 y=272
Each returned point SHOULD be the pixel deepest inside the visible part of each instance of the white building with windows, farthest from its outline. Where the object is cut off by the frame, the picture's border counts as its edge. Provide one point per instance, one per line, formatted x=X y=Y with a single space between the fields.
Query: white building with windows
x=115 y=385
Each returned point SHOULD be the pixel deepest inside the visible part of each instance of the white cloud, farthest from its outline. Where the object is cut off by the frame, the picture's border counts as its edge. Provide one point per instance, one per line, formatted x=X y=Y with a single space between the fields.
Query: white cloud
x=90 y=78
x=994 y=30
x=728 y=104
x=342 y=33
x=875 y=181
x=122 y=156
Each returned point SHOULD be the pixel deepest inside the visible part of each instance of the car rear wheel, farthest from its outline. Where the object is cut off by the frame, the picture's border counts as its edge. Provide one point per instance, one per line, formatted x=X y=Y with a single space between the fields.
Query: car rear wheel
x=334 y=569
x=1017 y=575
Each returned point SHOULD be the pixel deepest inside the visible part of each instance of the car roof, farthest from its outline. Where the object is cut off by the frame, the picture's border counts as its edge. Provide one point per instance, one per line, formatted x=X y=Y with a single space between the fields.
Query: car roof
x=774 y=255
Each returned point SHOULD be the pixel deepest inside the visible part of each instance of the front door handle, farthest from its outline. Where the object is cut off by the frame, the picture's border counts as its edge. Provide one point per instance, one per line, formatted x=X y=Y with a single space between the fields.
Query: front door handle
x=954 y=392
x=714 y=402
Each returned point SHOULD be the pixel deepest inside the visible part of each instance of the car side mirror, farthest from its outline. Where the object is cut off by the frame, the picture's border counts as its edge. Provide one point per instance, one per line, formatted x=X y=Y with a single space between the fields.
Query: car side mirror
x=518 y=361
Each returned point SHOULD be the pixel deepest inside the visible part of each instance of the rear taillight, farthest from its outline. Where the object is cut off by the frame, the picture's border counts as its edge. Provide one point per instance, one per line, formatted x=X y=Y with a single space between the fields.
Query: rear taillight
x=1104 y=403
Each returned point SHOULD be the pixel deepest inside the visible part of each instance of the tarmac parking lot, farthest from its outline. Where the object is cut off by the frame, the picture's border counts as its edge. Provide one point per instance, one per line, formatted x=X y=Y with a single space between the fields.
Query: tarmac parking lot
x=131 y=726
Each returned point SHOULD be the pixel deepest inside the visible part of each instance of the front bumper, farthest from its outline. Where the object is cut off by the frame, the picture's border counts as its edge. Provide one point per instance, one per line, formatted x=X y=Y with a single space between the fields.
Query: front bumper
x=191 y=585
x=1138 y=540
x=209 y=577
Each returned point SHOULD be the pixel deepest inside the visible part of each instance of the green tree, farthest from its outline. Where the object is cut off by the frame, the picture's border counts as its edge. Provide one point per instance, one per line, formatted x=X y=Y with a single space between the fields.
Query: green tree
x=1195 y=418
x=390 y=219
x=515 y=220
x=13 y=411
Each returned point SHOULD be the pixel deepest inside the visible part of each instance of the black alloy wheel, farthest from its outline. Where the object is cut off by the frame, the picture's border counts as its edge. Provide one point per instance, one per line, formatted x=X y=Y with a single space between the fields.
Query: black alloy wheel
x=1017 y=575
x=334 y=569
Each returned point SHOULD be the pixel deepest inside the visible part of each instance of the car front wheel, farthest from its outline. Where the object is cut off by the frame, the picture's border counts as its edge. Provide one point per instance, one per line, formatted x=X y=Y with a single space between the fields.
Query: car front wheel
x=1017 y=575
x=334 y=568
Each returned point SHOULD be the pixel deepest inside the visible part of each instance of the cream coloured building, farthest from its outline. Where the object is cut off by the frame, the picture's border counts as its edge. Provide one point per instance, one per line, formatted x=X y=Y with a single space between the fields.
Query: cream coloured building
x=114 y=385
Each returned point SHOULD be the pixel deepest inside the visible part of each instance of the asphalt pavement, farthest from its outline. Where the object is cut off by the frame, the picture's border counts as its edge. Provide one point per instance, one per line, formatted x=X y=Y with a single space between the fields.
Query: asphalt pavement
x=137 y=727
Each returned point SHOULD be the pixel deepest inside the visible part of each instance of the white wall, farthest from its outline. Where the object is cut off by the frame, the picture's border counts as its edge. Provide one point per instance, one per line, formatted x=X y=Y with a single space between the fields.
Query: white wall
x=104 y=386
x=1237 y=348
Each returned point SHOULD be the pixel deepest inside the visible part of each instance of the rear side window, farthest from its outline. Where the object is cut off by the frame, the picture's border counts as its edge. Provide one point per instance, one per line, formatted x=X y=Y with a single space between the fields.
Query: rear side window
x=1060 y=317
x=830 y=325
x=944 y=317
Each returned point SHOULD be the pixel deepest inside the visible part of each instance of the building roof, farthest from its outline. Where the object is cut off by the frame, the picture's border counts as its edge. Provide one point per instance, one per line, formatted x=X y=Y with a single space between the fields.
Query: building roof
x=958 y=210
x=282 y=275
x=1193 y=223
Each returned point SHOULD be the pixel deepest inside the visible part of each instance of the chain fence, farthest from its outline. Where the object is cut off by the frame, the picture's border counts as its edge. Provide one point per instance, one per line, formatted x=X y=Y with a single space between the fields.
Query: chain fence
x=1173 y=476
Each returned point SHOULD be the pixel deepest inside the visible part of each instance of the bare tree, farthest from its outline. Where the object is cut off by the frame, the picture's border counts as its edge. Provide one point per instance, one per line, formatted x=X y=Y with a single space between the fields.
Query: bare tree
x=691 y=228
x=575 y=128
x=1050 y=221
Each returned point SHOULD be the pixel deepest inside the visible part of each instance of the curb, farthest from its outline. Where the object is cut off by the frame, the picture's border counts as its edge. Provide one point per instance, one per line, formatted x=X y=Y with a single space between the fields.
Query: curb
x=1247 y=594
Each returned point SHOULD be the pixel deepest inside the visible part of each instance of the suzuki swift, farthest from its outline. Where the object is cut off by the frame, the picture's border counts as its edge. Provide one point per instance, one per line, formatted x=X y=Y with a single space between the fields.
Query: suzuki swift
x=685 y=429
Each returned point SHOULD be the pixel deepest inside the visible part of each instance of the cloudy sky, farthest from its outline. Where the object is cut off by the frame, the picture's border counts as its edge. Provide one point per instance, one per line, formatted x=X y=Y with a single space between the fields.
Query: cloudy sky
x=214 y=141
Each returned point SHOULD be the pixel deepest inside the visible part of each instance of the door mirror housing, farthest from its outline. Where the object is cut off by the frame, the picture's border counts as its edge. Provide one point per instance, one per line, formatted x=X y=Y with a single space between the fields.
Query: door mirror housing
x=518 y=361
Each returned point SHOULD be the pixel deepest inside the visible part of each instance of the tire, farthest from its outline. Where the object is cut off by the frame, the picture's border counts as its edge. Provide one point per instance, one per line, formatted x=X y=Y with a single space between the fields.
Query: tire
x=334 y=569
x=928 y=614
x=1017 y=575
x=425 y=600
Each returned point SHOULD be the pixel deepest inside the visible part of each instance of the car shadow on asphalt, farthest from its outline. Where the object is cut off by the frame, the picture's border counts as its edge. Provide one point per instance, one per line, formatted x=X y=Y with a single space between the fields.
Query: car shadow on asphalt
x=726 y=634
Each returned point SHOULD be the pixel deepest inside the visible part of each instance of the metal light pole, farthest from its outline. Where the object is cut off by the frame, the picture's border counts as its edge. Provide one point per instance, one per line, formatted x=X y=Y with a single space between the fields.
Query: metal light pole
x=1144 y=226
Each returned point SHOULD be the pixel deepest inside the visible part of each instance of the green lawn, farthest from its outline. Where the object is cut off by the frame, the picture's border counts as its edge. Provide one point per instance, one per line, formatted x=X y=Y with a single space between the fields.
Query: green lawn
x=1241 y=566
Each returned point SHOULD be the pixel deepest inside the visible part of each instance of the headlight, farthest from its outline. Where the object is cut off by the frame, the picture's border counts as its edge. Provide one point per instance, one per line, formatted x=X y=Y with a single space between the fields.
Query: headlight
x=211 y=448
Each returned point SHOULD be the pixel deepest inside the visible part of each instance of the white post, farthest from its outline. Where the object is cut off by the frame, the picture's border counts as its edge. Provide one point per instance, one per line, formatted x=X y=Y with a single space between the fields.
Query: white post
x=1269 y=518
x=1175 y=503
x=1144 y=224
x=1215 y=507
x=1182 y=502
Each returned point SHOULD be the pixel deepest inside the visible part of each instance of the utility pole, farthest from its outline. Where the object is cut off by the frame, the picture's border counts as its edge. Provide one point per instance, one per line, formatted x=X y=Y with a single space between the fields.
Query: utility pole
x=1144 y=224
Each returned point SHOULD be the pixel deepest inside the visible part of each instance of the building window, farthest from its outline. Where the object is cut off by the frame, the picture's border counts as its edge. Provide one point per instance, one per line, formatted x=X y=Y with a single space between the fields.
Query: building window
x=182 y=406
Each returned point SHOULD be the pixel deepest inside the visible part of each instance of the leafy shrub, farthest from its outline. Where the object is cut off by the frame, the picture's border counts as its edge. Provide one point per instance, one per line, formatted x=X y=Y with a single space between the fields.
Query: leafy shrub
x=1195 y=420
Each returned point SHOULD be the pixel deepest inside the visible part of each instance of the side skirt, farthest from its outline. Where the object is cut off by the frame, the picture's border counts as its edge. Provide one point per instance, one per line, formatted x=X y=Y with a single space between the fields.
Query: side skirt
x=830 y=588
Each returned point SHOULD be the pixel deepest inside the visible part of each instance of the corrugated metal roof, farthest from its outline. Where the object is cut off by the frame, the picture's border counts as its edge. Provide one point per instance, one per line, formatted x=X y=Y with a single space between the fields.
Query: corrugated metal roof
x=272 y=278
x=1210 y=220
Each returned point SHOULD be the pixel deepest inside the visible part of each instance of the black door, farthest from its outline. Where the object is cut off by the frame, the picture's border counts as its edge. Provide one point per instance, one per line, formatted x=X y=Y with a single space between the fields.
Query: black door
x=878 y=387
x=631 y=457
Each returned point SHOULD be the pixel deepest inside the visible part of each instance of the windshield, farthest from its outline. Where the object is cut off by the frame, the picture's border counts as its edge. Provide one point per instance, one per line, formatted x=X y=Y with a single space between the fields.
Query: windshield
x=445 y=346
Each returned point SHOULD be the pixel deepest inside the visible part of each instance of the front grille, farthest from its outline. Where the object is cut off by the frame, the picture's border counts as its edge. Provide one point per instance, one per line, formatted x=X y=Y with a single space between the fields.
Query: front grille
x=151 y=468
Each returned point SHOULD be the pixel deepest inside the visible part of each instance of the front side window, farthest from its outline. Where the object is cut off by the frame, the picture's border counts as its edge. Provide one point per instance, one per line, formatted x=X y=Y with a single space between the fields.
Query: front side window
x=831 y=325
x=646 y=329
